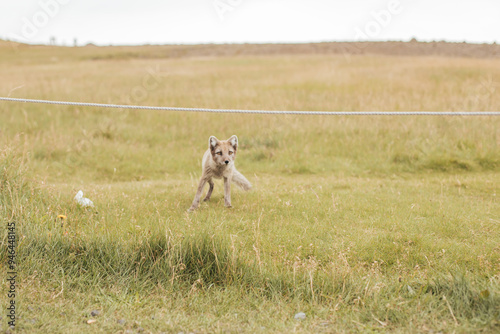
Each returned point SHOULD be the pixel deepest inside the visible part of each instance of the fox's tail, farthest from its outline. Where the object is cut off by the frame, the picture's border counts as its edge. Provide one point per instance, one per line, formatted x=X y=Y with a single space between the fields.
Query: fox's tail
x=241 y=181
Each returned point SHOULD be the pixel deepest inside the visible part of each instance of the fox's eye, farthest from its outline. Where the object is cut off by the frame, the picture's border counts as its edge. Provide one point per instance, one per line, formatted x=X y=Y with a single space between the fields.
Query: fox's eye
x=219 y=153
x=230 y=152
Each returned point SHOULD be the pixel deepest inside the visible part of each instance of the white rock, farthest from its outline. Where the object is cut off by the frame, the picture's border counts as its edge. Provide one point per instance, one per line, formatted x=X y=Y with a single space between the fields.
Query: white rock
x=300 y=316
x=82 y=200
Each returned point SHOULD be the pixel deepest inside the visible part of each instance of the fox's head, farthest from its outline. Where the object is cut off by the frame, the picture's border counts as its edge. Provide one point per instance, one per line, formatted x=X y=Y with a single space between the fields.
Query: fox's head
x=223 y=151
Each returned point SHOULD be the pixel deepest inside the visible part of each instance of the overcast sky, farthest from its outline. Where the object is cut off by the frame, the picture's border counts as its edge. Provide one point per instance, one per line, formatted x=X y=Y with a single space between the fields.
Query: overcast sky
x=225 y=21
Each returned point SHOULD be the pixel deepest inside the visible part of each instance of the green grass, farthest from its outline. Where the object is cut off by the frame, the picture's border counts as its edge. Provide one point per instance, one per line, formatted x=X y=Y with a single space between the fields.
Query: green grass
x=369 y=224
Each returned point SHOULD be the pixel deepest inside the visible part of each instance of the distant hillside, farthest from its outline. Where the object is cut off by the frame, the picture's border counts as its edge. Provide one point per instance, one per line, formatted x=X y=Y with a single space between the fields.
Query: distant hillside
x=9 y=44
x=412 y=48
x=349 y=48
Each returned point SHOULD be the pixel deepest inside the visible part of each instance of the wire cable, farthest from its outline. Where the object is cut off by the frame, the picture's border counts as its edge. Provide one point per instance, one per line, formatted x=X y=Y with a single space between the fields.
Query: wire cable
x=268 y=112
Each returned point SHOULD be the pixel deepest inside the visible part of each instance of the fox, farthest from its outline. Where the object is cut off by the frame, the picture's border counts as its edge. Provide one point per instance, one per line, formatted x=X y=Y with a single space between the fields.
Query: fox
x=218 y=162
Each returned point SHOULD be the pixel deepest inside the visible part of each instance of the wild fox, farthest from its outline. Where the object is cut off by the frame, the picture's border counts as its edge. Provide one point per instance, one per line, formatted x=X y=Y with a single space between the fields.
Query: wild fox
x=218 y=162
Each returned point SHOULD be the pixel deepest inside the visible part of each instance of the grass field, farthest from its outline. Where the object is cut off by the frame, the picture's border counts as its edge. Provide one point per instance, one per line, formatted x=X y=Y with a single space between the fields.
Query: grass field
x=365 y=224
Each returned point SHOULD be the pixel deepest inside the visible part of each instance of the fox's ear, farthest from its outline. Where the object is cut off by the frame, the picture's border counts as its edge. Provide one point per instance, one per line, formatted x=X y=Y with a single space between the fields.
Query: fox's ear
x=233 y=141
x=212 y=142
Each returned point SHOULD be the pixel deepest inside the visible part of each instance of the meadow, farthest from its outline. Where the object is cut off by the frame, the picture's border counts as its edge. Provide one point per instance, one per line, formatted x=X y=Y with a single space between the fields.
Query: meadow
x=365 y=224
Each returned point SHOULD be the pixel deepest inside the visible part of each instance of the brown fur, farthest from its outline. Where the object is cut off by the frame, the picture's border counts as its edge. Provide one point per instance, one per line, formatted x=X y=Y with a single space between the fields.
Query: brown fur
x=218 y=162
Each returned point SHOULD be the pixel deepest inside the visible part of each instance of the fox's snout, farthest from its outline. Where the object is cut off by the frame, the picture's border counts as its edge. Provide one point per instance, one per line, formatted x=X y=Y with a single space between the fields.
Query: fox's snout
x=227 y=161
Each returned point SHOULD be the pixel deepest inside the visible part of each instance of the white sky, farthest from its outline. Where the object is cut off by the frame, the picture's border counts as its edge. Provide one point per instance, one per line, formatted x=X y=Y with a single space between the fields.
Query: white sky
x=224 y=21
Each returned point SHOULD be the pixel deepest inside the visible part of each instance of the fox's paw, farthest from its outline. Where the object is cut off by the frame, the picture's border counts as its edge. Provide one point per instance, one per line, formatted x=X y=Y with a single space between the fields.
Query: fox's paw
x=191 y=209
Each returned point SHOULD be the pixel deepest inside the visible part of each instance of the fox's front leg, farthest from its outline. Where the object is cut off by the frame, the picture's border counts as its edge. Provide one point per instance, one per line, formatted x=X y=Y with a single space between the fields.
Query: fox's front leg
x=209 y=193
x=196 y=201
x=227 y=192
